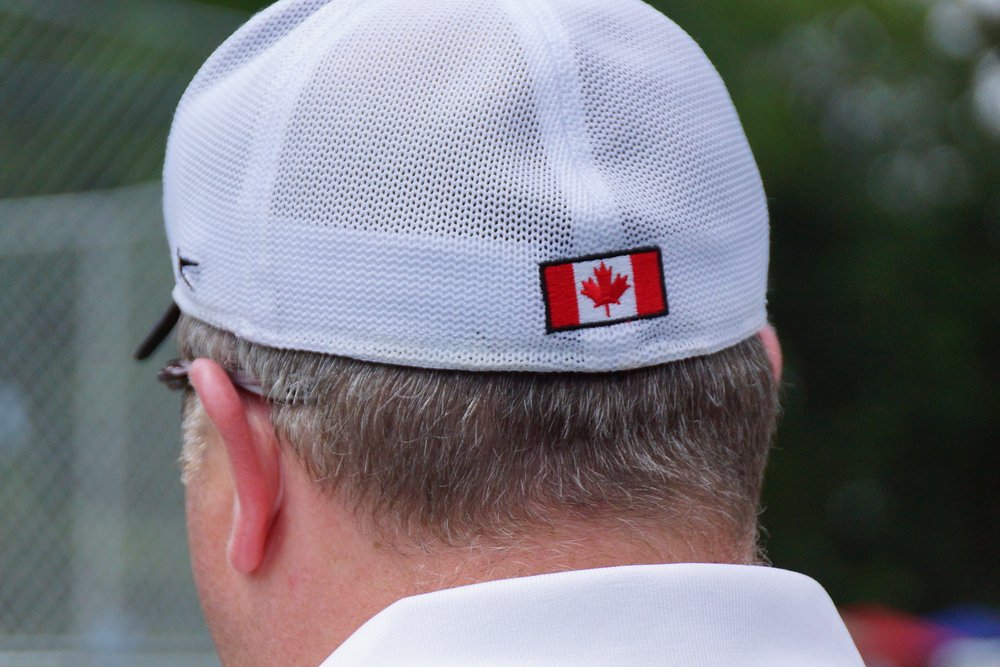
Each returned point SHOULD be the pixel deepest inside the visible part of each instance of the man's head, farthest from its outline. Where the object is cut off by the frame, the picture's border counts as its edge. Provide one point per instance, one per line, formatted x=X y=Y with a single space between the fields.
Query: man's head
x=498 y=268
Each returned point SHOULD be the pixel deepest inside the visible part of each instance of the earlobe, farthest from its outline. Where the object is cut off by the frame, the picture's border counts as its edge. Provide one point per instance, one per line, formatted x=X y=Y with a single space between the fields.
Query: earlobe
x=773 y=348
x=244 y=426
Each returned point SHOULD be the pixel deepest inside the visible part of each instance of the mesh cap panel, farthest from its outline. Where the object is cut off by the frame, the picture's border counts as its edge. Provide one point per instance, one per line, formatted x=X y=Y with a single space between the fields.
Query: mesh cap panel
x=389 y=179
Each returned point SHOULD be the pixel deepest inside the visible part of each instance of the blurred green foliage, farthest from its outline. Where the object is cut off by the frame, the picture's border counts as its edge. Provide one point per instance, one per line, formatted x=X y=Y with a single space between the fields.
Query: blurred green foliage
x=881 y=169
x=884 y=189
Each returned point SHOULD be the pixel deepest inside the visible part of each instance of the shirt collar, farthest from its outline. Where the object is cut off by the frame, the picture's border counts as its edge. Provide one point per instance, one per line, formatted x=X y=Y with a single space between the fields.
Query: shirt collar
x=684 y=615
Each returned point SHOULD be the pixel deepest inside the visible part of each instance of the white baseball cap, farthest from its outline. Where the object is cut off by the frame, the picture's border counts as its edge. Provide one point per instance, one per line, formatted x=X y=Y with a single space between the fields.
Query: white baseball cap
x=504 y=185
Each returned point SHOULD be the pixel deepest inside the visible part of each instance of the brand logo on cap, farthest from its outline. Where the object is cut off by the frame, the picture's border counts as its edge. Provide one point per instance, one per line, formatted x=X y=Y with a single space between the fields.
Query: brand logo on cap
x=600 y=290
x=185 y=263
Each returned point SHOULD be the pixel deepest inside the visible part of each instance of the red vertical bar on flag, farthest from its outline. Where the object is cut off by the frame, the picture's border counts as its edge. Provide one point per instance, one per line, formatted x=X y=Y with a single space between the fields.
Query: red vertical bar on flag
x=648 y=279
x=560 y=289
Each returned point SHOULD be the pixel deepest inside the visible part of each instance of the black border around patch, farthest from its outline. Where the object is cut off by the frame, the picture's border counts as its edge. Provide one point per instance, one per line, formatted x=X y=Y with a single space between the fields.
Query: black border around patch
x=589 y=258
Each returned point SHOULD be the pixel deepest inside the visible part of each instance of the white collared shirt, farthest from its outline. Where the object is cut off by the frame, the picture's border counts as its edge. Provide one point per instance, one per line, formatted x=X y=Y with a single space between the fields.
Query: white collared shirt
x=685 y=615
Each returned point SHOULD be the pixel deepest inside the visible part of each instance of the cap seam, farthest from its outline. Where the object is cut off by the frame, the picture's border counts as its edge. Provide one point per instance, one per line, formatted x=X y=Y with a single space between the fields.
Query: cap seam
x=557 y=50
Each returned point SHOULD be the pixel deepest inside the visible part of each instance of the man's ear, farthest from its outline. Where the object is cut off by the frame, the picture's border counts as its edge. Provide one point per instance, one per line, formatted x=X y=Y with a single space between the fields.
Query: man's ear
x=770 y=339
x=244 y=426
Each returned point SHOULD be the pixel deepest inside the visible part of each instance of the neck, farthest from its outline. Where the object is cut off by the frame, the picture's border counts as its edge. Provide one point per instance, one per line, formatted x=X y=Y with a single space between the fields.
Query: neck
x=325 y=575
x=569 y=544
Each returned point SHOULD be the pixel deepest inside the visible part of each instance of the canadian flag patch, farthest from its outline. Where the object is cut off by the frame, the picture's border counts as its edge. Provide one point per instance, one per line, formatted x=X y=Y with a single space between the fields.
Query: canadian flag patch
x=599 y=290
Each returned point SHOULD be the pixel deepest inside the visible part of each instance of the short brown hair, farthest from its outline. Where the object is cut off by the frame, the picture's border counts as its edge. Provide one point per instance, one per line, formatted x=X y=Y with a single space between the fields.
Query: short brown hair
x=458 y=455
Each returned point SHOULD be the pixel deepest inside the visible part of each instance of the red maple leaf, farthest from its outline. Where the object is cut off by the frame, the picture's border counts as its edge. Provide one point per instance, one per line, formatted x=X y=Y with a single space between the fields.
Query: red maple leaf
x=605 y=291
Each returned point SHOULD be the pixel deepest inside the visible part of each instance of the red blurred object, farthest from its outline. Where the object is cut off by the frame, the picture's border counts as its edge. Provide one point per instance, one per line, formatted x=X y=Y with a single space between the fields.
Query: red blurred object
x=890 y=638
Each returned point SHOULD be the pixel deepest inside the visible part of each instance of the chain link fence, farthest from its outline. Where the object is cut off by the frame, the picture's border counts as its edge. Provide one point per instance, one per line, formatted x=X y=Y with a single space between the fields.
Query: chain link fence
x=93 y=561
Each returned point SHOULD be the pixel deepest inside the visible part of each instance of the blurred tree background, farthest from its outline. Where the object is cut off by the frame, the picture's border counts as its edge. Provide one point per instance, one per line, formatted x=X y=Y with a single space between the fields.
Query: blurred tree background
x=876 y=125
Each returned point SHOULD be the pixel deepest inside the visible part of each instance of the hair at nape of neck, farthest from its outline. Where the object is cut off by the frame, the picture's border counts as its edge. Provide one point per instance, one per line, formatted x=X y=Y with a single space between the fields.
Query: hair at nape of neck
x=458 y=457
